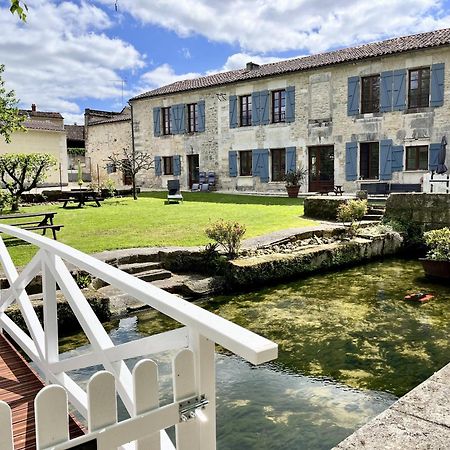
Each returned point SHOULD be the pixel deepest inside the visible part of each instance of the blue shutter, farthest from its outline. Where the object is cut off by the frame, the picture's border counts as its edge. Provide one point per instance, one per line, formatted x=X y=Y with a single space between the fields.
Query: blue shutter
x=290 y=104
x=256 y=166
x=351 y=151
x=233 y=112
x=397 y=158
x=399 y=90
x=158 y=170
x=173 y=115
x=157 y=121
x=386 y=81
x=264 y=107
x=256 y=120
x=264 y=161
x=176 y=165
x=182 y=118
x=178 y=119
x=201 y=116
x=437 y=84
x=353 y=96
x=433 y=156
x=291 y=159
x=232 y=163
x=386 y=159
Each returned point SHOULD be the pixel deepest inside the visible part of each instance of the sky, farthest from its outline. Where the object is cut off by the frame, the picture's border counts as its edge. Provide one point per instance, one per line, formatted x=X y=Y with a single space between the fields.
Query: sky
x=77 y=54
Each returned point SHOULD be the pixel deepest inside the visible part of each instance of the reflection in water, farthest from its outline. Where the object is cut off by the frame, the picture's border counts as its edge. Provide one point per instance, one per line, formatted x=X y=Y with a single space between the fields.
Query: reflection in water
x=338 y=333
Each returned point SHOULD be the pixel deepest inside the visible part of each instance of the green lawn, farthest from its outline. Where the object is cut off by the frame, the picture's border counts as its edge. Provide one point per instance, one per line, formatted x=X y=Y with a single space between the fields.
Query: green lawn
x=125 y=223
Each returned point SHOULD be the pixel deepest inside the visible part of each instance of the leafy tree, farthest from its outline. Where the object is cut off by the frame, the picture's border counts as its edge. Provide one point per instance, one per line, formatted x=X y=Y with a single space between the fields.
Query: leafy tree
x=130 y=163
x=19 y=7
x=10 y=119
x=20 y=172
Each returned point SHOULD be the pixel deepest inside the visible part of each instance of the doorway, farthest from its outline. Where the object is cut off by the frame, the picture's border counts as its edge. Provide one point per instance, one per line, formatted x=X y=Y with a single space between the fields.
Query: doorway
x=193 y=169
x=321 y=168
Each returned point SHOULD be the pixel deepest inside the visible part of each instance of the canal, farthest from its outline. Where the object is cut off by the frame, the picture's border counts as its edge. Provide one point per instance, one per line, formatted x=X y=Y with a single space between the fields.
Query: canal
x=350 y=345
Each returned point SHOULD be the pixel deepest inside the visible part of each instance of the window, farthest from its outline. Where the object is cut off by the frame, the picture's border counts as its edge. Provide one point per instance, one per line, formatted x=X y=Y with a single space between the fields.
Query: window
x=168 y=165
x=419 y=88
x=370 y=94
x=111 y=168
x=165 y=120
x=369 y=161
x=278 y=164
x=278 y=106
x=417 y=157
x=246 y=110
x=192 y=109
x=245 y=163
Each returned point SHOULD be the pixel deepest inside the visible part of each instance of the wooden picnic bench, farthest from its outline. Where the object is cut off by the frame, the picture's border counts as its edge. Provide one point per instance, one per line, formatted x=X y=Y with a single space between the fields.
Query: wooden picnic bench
x=81 y=197
x=42 y=221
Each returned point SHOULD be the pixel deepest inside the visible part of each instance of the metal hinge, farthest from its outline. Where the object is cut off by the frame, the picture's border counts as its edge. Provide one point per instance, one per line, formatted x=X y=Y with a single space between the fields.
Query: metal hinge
x=189 y=407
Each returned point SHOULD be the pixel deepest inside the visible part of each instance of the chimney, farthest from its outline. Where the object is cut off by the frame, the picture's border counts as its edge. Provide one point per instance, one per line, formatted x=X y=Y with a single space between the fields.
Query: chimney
x=252 y=66
x=33 y=107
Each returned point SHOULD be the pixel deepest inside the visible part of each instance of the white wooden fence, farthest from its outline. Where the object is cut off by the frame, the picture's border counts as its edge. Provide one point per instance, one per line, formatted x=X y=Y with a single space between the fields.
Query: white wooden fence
x=193 y=367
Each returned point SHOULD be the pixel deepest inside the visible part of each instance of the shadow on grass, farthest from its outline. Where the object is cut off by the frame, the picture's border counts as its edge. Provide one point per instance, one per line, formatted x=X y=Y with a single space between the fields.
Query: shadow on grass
x=214 y=197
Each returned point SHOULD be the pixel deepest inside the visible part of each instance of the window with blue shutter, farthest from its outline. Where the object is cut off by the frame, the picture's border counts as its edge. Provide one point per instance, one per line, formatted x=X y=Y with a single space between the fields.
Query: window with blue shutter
x=290 y=104
x=256 y=117
x=177 y=118
x=291 y=159
x=386 y=159
x=158 y=169
x=264 y=107
x=157 y=121
x=177 y=165
x=386 y=85
x=353 y=96
x=351 y=152
x=437 y=84
x=256 y=166
x=232 y=163
x=399 y=90
x=433 y=156
x=201 y=116
x=260 y=164
x=397 y=158
x=233 y=111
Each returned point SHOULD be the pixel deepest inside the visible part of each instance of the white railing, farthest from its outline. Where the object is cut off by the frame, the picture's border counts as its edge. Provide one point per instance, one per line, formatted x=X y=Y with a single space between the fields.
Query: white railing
x=193 y=367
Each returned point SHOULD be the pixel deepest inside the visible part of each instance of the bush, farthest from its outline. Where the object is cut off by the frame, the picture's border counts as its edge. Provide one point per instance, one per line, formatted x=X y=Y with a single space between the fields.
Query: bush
x=438 y=242
x=352 y=211
x=228 y=235
x=5 y=199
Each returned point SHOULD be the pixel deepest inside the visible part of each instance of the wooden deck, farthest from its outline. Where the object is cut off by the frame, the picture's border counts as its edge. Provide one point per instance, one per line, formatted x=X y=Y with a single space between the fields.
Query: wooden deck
x=19 y=384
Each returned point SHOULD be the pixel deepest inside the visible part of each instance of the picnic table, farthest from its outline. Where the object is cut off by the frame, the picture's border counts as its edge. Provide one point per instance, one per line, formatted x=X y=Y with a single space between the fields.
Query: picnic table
x=81 y=197
x=39 y=221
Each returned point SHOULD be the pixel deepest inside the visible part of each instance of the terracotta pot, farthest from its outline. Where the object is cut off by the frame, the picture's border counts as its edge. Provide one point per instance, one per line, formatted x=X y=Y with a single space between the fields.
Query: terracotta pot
x=436 y=269
x=292 y=191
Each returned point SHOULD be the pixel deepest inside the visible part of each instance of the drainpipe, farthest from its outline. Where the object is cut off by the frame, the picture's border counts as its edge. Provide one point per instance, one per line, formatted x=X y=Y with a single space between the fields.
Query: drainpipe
x=133 y=153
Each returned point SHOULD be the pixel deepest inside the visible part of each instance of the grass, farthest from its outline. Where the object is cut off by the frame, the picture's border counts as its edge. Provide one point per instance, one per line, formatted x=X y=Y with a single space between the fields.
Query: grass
x=148 y=222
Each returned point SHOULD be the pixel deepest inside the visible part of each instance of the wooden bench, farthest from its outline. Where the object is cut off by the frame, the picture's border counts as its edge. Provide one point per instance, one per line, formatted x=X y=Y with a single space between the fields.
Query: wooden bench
x=81 y=197
x=44 y=223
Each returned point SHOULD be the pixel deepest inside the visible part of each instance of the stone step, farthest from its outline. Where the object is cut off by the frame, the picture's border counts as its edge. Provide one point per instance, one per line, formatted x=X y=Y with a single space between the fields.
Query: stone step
x=372 y=217
x=153 y=275
x=134 y=268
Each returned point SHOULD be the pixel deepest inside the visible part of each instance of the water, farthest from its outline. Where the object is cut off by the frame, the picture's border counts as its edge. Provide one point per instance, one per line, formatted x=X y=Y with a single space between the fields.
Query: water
x=349 y=345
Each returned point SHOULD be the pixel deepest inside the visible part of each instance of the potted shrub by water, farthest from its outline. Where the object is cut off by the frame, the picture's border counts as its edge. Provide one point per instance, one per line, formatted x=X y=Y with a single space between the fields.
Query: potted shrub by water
x=294 y=179
x=437 y=262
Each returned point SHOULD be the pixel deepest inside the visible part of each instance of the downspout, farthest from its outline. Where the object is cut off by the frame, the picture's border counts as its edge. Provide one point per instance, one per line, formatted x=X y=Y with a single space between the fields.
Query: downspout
x=133 y=155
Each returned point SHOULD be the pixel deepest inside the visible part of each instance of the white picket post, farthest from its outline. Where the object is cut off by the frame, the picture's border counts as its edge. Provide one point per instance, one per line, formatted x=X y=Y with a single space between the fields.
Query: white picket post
x=51 y=417
x=6 y=434
x=102 y=402
x=187 y=436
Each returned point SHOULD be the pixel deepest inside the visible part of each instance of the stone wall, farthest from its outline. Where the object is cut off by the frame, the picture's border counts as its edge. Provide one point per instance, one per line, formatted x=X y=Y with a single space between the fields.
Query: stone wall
x=324 y=208
x=427 y=210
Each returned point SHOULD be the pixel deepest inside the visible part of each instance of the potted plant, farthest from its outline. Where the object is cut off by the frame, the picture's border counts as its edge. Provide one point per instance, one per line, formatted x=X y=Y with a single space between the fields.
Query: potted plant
x=294 y=179
x=437 y=262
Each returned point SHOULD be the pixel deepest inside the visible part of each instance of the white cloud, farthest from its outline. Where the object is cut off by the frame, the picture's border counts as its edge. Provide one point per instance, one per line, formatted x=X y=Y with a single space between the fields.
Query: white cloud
x=186 y=53
x=62 y=54
x=161 y=76
x=239 y=60
x=267 y=26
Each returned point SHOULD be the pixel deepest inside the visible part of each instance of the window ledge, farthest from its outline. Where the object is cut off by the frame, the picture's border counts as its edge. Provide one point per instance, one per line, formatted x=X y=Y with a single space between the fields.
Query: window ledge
x=425 y=109
x=415 y=171
x=367 y=116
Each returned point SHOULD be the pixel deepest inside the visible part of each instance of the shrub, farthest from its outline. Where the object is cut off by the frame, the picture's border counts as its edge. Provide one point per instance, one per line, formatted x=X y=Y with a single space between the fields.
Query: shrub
x=438 y=242
x=228 y=235
x=351 y=212
x=5 y=199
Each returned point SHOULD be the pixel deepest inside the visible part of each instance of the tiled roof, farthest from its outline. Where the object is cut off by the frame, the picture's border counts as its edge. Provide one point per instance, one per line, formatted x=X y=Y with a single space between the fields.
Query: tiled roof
x=75 y=132
x=376 y=49
x=96 y=117
x=41 y=114
x=45 y=125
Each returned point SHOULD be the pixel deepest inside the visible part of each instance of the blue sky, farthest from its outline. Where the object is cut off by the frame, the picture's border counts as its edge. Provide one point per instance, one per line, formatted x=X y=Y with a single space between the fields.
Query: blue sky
x=71 y=55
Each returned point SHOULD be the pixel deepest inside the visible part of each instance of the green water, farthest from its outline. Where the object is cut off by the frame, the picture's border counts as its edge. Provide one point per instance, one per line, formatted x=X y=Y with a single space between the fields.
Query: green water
x=349 y=345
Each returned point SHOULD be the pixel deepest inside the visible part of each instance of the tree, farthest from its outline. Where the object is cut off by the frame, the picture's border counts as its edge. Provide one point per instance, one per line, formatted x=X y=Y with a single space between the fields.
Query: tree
x=19 y=7
x=20 y=172
x=131 y=163
x=10 y=118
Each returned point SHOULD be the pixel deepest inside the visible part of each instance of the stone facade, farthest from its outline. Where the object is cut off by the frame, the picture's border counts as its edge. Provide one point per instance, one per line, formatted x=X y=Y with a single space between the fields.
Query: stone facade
x=321 y=119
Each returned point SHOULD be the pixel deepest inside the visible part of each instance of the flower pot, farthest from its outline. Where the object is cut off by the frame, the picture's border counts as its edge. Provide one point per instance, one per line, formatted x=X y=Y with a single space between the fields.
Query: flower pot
x=436 y=269
x=292 y=191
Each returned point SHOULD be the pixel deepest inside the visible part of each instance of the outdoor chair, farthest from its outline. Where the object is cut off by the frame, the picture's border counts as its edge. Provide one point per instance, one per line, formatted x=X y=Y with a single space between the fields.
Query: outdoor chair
x=211 y=179
x=195 y=187
x=202 y=177
x=204 y=187
x=174 y=194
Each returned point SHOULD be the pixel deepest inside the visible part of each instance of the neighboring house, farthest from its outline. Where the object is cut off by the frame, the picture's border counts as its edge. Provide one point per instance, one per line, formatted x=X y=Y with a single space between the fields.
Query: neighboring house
x=76 y=153
x=376 y=112
x=107 y=133
x=44 y=134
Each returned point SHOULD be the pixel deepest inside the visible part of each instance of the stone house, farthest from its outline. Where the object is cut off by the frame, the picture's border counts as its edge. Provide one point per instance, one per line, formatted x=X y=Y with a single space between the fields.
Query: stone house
x=374 y=114
x=44 y=134
x=107 y=133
